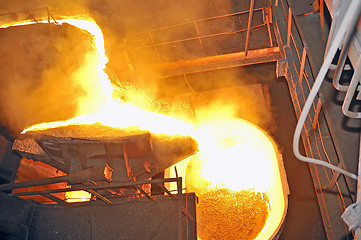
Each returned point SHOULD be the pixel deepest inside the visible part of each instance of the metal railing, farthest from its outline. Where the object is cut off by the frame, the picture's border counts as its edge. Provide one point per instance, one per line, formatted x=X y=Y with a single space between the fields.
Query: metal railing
x=96 y=189
x=317 y=133
x=38 y=15
x=198 y=30
x=32 y=15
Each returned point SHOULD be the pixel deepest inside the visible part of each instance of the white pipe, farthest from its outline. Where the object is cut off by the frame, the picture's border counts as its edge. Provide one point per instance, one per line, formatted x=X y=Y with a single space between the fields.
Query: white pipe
x=343 y=55
x=351 y=92
x=351 y=13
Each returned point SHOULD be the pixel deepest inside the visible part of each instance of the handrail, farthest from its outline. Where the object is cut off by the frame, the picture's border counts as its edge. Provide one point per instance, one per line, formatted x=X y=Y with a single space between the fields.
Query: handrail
x=182 y=211
x=308 y=102
x=102 y=187
x=351 y=13
x=199 y=20
x=32 y=12
x=146 y=40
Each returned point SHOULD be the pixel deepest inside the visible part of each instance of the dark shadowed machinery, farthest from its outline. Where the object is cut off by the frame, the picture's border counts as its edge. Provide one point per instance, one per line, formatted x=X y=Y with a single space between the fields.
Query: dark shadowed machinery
x=291 y=67
x=119 y=166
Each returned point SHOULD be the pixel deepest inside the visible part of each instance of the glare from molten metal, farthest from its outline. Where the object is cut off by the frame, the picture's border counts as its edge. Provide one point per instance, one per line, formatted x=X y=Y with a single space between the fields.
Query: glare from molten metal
x=234 y=155
x=232 y=150
x=99 y=106
x=77 y=196
x=237 y=179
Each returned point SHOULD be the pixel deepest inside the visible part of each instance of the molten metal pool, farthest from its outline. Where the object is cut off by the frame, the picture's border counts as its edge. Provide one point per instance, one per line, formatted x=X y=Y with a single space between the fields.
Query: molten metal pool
x=239 y=179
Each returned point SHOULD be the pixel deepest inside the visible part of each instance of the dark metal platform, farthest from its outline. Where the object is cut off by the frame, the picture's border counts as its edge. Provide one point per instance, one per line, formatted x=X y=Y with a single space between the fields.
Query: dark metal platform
x=127 y=219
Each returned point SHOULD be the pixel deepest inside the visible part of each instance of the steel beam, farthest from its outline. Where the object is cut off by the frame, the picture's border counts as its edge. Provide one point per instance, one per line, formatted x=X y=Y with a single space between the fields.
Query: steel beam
x=251 y=7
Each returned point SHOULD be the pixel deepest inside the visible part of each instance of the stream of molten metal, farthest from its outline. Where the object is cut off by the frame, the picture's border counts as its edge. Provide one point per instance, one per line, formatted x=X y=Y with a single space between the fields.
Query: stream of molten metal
x=99 y=106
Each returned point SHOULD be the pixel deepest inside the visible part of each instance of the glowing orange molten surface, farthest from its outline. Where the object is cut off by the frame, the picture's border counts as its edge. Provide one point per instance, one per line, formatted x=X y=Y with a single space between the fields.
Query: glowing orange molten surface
x=77 y=196
x=237 y=179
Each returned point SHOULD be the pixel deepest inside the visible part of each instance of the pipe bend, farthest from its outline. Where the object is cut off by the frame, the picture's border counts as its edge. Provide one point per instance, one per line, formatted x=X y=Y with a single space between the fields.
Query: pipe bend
x=352 y=12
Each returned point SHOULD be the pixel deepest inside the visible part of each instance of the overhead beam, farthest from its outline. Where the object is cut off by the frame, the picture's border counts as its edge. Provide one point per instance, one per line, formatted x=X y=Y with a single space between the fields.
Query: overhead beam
x=219 y=62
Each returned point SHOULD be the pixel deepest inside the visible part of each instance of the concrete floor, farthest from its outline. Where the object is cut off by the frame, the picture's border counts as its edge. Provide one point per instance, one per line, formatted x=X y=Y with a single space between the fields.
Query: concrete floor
x=303 y=220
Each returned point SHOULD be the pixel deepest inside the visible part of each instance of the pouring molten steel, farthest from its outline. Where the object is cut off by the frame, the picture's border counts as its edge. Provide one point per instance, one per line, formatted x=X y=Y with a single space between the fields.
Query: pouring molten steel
x=235 y=174
x=99 y=106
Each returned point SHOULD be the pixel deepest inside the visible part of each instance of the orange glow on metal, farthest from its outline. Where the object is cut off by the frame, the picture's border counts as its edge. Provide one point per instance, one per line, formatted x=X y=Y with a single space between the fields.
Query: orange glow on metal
x=77 y=196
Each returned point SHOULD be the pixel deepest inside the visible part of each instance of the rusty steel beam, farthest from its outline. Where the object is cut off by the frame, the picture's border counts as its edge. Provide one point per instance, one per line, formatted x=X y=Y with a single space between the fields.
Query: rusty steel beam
x=220 y=61
x=188 y=215
x=289 y=25
x=200 y=39
x=302 y=68
x=101 y=197
x=94 y=174
x=180 y=207
x=317 y=114
x=108 y=186
x=39 y=182
x=166 y=190
x=334 y=178
x=322 y=20
x=199 y=20
x=143 y=192
x=55 y=199
x=268 y=19
x=155 y=47
x=249 y=26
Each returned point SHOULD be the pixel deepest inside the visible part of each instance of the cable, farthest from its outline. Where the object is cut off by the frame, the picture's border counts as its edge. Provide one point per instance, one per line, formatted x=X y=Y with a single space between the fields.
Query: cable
x=352 y=12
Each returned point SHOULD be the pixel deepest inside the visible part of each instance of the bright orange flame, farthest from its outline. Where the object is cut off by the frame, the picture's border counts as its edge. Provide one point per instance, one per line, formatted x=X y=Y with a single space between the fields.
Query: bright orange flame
x=77 y=196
